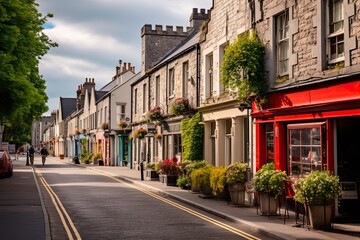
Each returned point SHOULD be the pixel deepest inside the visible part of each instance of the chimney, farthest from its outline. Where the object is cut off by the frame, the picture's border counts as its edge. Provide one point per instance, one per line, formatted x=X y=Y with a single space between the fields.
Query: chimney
x=197 y=18
x=129 y=66
x=117 y=72
x=124 y=67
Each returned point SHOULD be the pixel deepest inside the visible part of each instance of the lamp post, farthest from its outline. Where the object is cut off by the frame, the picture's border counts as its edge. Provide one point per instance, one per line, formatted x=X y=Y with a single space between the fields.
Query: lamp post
x=242 y=107
x=27 y=154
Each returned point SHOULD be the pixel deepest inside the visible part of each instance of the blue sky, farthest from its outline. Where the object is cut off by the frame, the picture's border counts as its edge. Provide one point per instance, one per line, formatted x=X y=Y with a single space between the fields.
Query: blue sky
x=94 y=34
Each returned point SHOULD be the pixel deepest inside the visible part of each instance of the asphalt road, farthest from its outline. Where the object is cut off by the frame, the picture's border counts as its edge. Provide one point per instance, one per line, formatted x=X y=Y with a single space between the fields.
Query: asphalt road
x=100 y=207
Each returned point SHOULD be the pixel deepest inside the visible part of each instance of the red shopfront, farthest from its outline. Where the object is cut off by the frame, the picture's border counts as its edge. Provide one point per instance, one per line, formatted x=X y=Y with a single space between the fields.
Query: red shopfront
x=316 y=126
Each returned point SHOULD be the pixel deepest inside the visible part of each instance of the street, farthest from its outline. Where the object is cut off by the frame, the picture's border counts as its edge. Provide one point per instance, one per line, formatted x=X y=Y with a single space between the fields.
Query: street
x=101 y=207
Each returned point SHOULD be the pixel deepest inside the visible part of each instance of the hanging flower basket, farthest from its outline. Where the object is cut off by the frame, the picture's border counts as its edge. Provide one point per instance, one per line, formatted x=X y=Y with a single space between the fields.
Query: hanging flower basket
x=155 y=114
x=123 y=124
x=104 y=126
x=180 y=106
x=77 y=132
x=140 y=133
x=157 y=136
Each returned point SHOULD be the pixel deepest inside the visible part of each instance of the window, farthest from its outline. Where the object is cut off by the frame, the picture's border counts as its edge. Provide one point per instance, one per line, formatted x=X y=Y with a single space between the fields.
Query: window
x=336 y=31
x=177 y=144
x=135 y=101
x=171 y=82
x=120 y=112
x=144 y=98
x=269 y=131
x=157 y=97
x=307 y=148
x=210 y=74
x=212 y=140
x=105 y=115
x=282 y=38
x=185 y=78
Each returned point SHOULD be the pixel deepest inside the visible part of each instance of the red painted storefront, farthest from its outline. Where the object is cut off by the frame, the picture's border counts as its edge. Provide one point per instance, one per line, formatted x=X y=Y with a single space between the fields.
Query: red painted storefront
x=333 y=106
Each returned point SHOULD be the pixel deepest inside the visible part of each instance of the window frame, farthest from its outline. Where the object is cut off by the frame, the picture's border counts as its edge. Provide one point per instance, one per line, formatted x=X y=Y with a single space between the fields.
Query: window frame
x=335 y=34
x=282 y=37
x=171 y=82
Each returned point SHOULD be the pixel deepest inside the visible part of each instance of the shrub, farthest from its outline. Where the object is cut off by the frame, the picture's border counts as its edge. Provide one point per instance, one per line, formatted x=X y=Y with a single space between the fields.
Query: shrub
x=218 y=179
x=236 y=173
x=169 y=167
x=201 y=177
x=269 y=180
x=319 y=187
x=182 y=182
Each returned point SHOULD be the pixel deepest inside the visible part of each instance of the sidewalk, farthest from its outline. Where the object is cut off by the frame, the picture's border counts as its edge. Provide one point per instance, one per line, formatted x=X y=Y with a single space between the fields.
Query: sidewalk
x=272 y=226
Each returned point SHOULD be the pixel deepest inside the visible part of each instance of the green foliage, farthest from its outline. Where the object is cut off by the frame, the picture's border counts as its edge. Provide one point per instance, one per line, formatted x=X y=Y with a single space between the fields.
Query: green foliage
x=180 y=106
x=151 y=166
x=236 y=173
x=97 y=156
x=269 y=180
x=22 y=44
x=218 y=179
x=188 y=166
x=192 y=136
x=243 y=66
x=201 y=177
x=86 y=156
x=319 y=187
x=182 y=182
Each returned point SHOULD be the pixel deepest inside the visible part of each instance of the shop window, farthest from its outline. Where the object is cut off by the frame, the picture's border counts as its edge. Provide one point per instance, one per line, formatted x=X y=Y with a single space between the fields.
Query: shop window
x=177 y=144
x=269 y=131
x=307 y=150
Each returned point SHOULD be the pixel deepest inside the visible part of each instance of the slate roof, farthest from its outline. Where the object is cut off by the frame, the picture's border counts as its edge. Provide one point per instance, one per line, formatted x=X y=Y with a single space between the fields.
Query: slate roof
x=68 y=105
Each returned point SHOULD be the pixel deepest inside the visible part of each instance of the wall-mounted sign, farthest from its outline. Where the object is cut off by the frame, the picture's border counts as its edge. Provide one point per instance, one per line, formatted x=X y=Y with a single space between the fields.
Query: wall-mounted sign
x=349 y=190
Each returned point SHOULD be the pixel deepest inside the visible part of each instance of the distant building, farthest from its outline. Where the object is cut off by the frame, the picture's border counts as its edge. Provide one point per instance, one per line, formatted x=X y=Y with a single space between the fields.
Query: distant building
x=38 y=128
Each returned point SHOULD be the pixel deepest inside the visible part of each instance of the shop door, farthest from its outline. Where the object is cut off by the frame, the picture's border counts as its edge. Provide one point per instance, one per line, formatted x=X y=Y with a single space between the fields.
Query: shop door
x=348 y=161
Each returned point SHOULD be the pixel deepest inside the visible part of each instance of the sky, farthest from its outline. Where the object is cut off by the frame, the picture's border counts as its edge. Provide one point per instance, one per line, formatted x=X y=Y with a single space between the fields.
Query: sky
x=93 y=35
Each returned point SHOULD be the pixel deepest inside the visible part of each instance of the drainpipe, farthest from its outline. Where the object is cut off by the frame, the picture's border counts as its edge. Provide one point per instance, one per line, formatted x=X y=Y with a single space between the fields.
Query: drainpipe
x=198 y=57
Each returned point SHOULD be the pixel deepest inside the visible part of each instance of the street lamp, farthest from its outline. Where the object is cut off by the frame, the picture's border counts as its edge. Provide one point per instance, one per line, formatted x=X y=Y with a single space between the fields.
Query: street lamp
x=242 y=107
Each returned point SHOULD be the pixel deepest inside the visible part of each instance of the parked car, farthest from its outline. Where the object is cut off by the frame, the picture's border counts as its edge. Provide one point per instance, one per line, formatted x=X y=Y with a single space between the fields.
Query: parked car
x=6 y=166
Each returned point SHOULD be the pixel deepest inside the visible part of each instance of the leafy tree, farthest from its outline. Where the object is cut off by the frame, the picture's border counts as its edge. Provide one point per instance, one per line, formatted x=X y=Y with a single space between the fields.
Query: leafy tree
x=22 y=44
x=243 y=66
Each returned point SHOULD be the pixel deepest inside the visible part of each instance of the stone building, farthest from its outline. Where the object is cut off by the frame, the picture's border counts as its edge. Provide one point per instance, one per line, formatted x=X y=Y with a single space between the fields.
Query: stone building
x=167 y=77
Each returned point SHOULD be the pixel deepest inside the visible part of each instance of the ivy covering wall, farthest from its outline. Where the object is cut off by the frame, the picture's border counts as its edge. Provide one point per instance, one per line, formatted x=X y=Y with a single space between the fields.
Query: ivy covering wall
x=192 y=136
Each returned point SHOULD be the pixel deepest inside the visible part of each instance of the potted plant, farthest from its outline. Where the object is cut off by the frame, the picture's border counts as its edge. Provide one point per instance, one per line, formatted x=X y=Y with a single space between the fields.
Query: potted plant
x=269 y=183
x=169 y=170
x=318 y=191
x=218 y=181
x=96 y=157
x=235 y=179
x=183 y=182
x=189 y=166
x=151 y=173
x=201 y=178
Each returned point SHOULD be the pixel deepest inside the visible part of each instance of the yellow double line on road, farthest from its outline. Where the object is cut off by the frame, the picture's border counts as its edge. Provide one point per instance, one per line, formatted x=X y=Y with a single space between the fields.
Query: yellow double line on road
x=64 y=216
x=181 y=207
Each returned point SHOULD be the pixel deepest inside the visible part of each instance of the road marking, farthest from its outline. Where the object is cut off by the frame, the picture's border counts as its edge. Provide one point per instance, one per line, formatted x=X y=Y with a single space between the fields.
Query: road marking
x=181 y=207
x=59 y=208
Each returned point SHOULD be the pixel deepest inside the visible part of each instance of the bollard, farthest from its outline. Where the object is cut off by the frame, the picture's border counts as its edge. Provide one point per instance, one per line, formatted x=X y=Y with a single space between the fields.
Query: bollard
x=27 y=158
x=142 y=170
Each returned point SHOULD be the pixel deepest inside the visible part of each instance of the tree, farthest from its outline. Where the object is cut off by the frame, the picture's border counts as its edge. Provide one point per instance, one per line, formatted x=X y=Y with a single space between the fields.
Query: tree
x=22 y=44
x=243 y=66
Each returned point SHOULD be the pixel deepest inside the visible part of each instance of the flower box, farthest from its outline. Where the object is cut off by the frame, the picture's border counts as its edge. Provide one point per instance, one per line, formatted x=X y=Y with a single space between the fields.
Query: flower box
x=170 y=180
x=151 y=175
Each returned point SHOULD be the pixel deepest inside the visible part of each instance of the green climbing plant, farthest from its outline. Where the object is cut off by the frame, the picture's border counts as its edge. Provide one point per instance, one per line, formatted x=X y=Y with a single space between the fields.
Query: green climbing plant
x=192 y=136
x=243 y=66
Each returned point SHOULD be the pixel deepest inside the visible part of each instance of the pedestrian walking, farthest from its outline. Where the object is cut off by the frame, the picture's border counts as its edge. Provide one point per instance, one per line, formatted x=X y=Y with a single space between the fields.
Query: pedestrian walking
x=32 y=154
x=44 y=152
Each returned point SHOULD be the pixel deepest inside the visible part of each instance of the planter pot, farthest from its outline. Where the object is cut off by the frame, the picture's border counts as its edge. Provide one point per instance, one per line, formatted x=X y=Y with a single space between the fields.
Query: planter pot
x=206 y=190
x=170 y=180
x=268 y=204
x=151 y=175
x=237 y=193
x=320 y=216
x=161 y=178
x=101 y=162
x=195 y=189
x=61 y=156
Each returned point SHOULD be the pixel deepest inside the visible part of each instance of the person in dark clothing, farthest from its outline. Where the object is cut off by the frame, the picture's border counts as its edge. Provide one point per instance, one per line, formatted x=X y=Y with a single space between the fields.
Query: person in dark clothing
x=32 y=154
x=44 y=152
